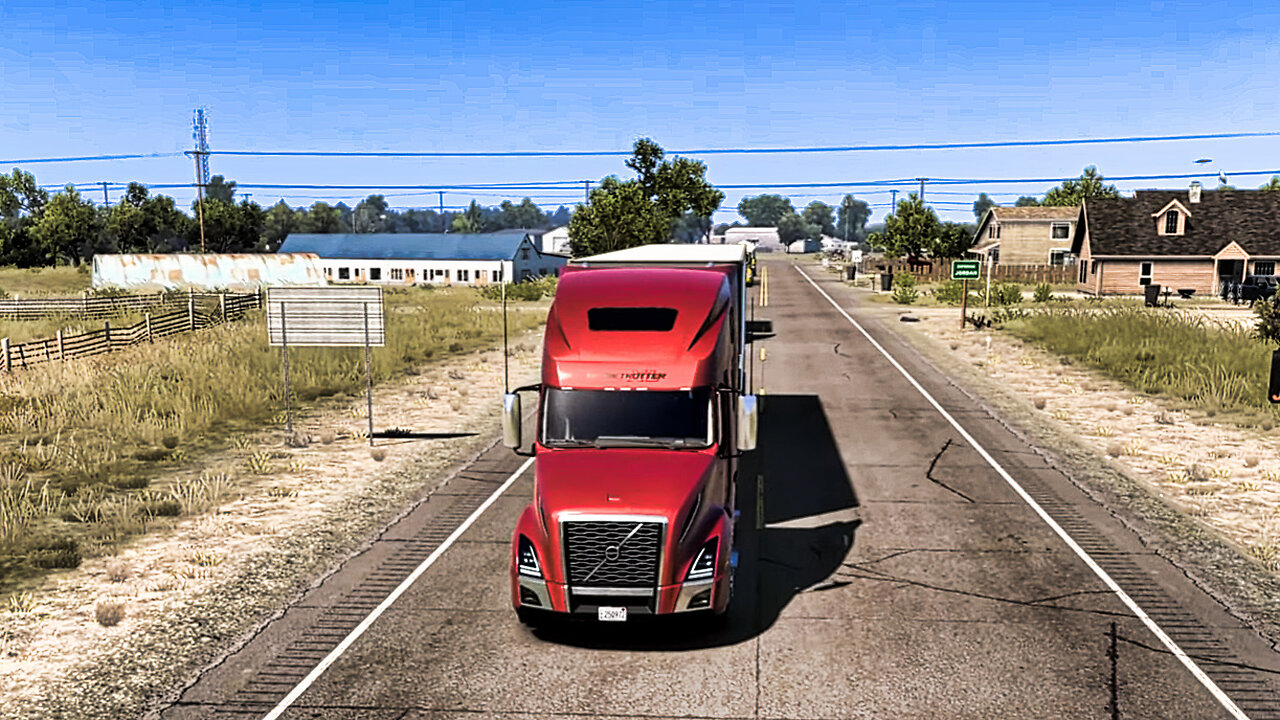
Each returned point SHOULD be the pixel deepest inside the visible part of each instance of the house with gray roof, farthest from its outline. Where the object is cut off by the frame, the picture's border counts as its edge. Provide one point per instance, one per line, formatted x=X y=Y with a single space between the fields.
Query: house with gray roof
x=427 y=258
x=1194 y=239
x=1039 y=235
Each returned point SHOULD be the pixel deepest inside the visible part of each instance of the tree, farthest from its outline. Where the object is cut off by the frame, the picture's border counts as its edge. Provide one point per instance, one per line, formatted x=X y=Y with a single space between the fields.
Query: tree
x=690 y=228
x=471 y=221
x=952 y=241
x=21 y=201
x=851 y=219
x=278 y=222
x=370 y=214
x=560 y=217
x=793 y=227
x=140 y=223
x=321 y=218
x=982 y=205
x=1273 y=186
x=764 y=210
x=524 y=216
x=221 y=190
x=619 y=215
x=911 y=228
x=676 y=186
x=69 y=228
x=1074 y=192
x=230 y=228
x=822 y=215
x=1026 y=201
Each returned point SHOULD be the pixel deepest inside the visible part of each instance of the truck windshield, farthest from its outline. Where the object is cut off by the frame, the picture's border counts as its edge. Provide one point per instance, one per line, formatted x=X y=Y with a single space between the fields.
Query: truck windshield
x=627 y=418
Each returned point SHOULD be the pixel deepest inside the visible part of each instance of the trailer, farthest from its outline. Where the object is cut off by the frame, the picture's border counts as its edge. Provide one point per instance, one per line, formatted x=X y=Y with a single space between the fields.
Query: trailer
x=643 y=416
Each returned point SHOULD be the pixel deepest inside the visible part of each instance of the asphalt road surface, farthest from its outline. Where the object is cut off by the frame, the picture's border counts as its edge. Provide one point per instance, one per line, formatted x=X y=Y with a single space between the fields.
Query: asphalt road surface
x=891 y=573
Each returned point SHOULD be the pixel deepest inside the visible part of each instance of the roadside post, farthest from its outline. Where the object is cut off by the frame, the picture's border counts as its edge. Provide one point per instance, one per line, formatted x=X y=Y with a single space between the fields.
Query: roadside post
x=965 y=270
x=1273 y=393
x=326 y=317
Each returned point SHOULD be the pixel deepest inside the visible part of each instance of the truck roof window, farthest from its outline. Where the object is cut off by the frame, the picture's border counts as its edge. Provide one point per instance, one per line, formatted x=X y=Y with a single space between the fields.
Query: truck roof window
x=645 y=319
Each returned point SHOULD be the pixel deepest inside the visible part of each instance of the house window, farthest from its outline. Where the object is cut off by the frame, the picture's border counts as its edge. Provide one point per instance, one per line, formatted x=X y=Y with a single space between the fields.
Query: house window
x=1171 y=222
x=1083 y=268
x=1059 y=257
x=397 y=273
x=993 y=231
x=497 y=275
x=344 y=273
x=994 y=255
x=464 y=276
x=1093 y=267
x=1060 y=231
x=328 y=272
x=1264 y=268
x=1144 y=273
x=375 y=273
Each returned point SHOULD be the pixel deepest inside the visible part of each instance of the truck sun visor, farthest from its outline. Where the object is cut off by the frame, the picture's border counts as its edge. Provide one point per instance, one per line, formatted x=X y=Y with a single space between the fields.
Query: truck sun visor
x=646 y=319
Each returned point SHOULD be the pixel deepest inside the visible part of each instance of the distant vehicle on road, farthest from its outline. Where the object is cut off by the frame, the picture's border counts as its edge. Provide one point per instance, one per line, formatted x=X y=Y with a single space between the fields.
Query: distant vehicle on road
x=1252 y=289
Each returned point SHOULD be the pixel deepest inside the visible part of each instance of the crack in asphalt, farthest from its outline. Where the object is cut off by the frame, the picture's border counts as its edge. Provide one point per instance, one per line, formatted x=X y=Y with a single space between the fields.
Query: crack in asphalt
x=928 y=474
x=863 y=573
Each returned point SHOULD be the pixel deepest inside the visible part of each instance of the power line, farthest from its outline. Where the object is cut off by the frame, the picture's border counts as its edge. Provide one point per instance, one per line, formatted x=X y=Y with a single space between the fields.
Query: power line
x=754 y=151
x=694 y=151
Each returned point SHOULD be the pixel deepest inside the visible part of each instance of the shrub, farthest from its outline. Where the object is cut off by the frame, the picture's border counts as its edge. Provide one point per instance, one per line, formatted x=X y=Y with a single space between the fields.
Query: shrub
x=1006 y=294
x=949 y=292
x=60 y=553
x=109 y=613
x=1044 y=293
x=904 y=288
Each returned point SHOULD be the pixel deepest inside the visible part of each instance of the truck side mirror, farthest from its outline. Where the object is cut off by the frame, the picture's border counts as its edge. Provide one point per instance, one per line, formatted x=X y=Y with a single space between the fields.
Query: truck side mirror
x=748 y=416
x=511 y=417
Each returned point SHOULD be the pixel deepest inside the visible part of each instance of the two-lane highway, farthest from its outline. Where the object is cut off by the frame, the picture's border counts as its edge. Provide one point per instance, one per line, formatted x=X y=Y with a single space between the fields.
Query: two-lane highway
x=890 y=572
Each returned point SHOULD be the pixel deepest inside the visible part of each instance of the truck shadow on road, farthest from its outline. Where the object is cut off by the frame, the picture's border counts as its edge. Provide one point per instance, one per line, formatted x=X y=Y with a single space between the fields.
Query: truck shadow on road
x=807 y=530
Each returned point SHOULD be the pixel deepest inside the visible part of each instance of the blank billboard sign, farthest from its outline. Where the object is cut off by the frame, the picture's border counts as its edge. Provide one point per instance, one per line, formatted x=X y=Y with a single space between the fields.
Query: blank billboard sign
x=325 y=316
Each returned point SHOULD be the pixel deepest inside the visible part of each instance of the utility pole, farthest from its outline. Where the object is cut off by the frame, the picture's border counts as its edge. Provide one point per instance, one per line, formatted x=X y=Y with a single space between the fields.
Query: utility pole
x=586 y=192
x=443 y=224
x=894 y=202
x=922 y=189
x=105 y=200
x=199 y=196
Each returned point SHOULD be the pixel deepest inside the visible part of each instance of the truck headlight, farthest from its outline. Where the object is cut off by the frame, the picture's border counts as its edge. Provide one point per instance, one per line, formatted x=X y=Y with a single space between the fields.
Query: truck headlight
x=704 y=564
x=527 y=559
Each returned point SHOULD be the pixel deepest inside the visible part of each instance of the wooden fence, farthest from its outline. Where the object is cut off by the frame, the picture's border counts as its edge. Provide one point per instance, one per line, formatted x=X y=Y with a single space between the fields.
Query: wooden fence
x=202 y=310
x=99 y=307
x=941 y=270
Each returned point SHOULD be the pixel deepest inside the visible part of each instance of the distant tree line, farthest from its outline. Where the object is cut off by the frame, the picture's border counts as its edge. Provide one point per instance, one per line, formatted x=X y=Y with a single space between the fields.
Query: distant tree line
x=848 y=220
x=37 y=228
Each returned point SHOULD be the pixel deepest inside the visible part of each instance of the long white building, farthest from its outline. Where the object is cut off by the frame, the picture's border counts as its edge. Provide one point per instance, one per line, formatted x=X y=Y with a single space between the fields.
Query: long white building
x=427 y=258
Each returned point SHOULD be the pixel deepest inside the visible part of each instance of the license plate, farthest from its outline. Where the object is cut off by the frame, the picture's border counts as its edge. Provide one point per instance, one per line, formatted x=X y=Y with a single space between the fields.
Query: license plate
x=611 y=614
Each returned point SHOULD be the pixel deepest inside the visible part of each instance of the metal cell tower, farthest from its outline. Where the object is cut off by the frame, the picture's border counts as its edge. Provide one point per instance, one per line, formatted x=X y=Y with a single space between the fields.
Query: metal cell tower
x=200 y=133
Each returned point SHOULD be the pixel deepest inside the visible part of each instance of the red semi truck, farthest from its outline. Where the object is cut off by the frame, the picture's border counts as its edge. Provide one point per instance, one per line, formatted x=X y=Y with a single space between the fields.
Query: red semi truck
x=643 y=414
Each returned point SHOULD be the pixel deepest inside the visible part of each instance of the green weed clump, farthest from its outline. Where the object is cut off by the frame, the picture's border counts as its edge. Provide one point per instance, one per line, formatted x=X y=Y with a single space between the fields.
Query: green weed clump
x=531 y=289
x=85 y=445
x=1178 y=356
x=949 y=292
x=904 y=288
x=1043 y=293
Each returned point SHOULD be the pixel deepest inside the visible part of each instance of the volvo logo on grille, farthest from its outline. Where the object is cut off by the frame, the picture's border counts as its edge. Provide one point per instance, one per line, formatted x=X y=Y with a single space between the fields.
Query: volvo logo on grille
x=612 y=552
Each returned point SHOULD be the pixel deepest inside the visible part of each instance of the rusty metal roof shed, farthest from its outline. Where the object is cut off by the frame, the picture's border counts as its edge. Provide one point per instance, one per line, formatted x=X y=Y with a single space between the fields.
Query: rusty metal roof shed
x=408 y=246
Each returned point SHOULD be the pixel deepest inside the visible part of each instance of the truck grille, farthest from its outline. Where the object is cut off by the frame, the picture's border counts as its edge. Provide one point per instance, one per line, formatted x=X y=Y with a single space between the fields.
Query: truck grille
x=612 y=553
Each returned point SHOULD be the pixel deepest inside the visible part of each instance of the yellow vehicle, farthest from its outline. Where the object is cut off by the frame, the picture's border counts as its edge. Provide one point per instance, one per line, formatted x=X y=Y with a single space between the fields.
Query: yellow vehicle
x=751 y=263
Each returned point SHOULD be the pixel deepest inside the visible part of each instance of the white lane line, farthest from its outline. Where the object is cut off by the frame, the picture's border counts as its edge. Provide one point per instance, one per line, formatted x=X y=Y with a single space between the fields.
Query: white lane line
x=329 y=659
x=1168 y=642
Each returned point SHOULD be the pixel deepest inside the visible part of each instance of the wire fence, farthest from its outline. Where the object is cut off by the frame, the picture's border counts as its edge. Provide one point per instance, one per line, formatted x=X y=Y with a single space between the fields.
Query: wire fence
x=202 y=310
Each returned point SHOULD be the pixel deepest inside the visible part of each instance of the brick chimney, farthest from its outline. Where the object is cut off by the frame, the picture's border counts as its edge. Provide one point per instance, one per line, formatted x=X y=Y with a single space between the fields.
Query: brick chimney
x=1194 y=193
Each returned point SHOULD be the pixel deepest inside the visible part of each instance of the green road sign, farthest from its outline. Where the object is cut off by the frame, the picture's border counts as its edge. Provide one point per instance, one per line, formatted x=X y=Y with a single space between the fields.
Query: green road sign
x=966 y=269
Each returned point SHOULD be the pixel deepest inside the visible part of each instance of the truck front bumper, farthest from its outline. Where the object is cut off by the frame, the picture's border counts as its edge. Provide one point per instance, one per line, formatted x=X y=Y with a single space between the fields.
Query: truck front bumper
x=701 y=595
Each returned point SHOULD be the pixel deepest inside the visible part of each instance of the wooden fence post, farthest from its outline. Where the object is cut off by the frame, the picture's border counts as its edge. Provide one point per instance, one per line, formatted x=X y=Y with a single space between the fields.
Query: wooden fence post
x=62 y=349
x=4 y=348
x=191 y=311
x=106 y=333
x=222 y=305
x=147 y=316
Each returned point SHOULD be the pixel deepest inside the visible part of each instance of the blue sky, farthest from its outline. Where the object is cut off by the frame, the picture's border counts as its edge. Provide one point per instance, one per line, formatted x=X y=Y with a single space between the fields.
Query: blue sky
x=86 y=78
